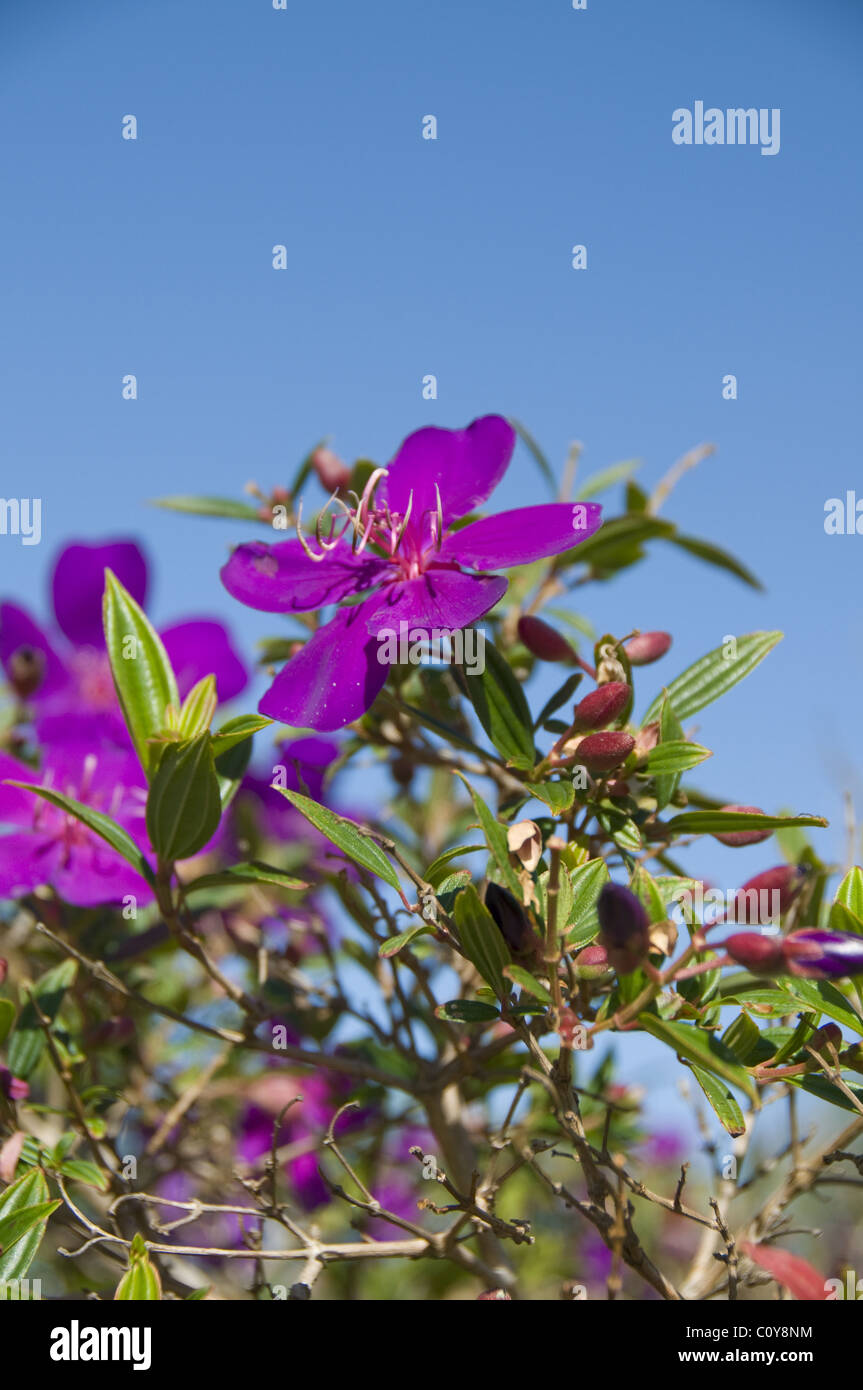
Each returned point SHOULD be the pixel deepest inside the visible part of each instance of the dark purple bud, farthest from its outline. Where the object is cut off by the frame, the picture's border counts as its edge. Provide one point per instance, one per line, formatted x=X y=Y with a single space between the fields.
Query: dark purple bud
x=762 y=955
x=817 y=954
x=624 y=930
x=738 y=838
x=601 y=707
x=604 y=752
x=647 y=647
x=542 y=640
x=26 y=669
x=765 y=897
x=13 y=1087
x=828 y=1036
x=511 y=919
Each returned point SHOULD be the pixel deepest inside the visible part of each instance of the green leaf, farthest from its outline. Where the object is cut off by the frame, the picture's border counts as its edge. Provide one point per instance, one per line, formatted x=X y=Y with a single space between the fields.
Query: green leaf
x=713 y=675
x=678 y=755
x=713 y=555
x=237 y=731
x=670 y=731
x=251 y=872
x=495 y=834
x=727 y=1110
x=709 y=822
x=231 y=766
x=467 y=1011
x=824 y=1089
x=706 y=1051
x=742 y=1037
x=198 y=708
x=481 y=939
x=346 y=835
x=644 y=888
x=82 y=1170
x=439 y=868
x=7 y=1018
x=28 y=1191
x=588 y=881
x=28 y=1041
x=525 y=980
x=559 y=796
x=197 y=1294
x=142 y=672
x=209 y=506
x=607 y=477
x=846 y=912
x=17 y=1223
x=184 y=806
x=627 y=533
x=560 y=697
x=502 y=709
x=101 y=825
x=395 y=944
x=825 y=998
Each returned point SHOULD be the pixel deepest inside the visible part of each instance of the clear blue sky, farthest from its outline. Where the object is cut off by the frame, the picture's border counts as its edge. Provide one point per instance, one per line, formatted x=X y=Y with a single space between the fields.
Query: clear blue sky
x=408 y=256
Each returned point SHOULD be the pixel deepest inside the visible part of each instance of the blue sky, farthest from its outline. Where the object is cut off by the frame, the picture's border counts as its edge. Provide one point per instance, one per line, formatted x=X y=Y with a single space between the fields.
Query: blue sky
x=452 y=257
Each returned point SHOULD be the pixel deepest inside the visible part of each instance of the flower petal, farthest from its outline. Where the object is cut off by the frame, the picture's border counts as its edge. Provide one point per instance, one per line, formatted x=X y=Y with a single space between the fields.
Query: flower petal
x=467 y=466
x=282 y=579
x=16 y=807
x=78 y=584
x=18 y=629
x=201 y=647
x=523 y=535
x=334 y=679
x=27 y=860
x=440 y=598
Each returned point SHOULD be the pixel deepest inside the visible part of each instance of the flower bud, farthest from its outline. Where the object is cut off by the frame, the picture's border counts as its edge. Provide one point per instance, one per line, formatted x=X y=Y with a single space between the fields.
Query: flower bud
x=604 y=752
x=591 y=963
x=13 y=1087
x=738 y=838
x=542 y=640
x=25 y=671
x=511 y=919
x=524 y=841
x=601 y=707
x=828 y=1036
x=763 y=955
x=624 y=930
x=646 y=740
x=494 y=1296
x=818 y=954
x=333 y=473
x=647 y=647
x=765 y=897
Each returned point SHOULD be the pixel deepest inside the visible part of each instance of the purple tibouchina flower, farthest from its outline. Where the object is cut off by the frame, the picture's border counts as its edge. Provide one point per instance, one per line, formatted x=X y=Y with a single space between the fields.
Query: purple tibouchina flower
x=398 y=547
x=300 y=765
x=66 y=674
x=44 y=845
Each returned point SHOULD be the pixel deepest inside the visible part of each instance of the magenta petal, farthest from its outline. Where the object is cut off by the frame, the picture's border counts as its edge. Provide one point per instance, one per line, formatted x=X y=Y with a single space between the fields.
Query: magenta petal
x=17 y=629
x=201 y=647
x=16 y=807
x=282 y=579
x=467 y=466
x=523 y=535
x=78 y=584
x=440 y=598
x=27 y=861
x=334 y=679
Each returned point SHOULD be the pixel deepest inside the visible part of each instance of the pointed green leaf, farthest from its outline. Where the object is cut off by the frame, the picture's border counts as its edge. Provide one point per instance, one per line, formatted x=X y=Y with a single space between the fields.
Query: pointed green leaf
x=714 y=674
x=16 y=1224
x=28 y=1041
x=727 y=1110
x=481 y=939
x=675 y=756
x=142 y=672
x=501 y=708
x=706 y=1051
x=237 y=731
x=711 y=822
x=183 y=806
x=7 y=1018
x=467 y=1011
x=404 y=938
x=198 y=708
x=28 y=1191
x=713 y=555
x=525 y=980
x=251 y=872
x=346 y=835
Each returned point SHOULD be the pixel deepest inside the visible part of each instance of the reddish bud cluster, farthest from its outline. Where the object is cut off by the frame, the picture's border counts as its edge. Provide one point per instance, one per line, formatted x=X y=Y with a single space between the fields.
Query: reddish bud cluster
x=647 y=647
x=601 y=707
x=542 y=640
x=604 y=752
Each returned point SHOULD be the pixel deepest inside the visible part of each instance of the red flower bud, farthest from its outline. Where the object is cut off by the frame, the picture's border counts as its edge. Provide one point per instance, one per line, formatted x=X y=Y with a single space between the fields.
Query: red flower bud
x=828 y=1036
x=624 y=930
x=738 y=838
x=647 y=647
x=542 y=640
x=766 y=896
x=601 y=707
x=332 y=472
x=591 y=963
x=763 y=955
x=604 y=752
x=13 y=1087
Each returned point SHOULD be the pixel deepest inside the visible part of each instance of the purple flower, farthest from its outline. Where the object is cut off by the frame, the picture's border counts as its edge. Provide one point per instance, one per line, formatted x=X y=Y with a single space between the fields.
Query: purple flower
x=817 y=954
x=64 y=674
x=405 y=555
x=47 y=846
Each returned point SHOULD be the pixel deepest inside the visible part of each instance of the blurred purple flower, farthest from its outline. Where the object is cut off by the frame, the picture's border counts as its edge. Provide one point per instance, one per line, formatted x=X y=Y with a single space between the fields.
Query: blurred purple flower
x=420 y=570
x=47 y=846
x=61 y=668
